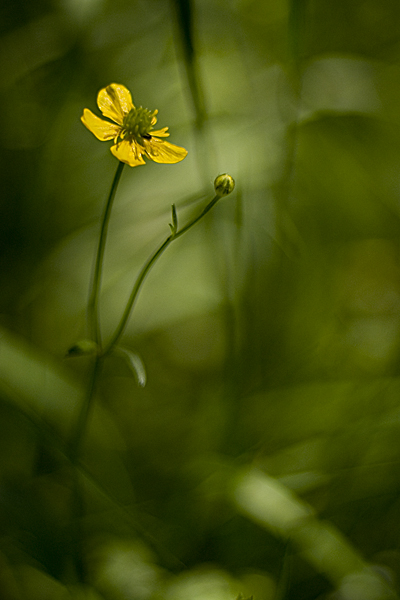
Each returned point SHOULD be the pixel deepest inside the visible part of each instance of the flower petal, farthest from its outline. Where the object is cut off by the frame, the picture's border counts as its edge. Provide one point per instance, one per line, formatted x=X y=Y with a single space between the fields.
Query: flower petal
x=163 y=152
x=129 y=153
x=103 y=130
x=115 y=102
x=160 y=132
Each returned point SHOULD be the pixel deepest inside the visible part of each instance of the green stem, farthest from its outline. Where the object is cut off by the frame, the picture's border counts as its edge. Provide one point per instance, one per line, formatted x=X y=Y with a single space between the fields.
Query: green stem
x=79 y=431
x=94 y=320
x=78 y=434
x=145 y=270
x=93 y=305
x=80 y=427
x=135 y=291
x=200 y=216
x=74 y=451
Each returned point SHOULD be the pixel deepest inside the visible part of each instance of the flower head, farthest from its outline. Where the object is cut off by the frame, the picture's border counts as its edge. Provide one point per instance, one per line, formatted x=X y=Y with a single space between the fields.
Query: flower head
x=132 y=130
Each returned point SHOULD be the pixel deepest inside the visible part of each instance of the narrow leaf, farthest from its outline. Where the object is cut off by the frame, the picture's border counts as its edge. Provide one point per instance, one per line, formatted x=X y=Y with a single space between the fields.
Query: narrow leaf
x=135 y=364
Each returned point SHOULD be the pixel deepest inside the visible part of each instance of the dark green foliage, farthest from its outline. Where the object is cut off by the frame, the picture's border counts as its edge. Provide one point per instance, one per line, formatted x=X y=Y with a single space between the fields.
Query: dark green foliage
x=268 y=336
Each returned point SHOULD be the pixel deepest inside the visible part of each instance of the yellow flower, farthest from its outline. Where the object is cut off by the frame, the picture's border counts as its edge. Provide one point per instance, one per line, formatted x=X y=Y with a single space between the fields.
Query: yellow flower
x=132 y=130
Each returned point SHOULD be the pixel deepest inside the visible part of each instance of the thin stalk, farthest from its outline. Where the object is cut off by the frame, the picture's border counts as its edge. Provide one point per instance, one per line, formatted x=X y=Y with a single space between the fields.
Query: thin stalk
x=79 y=431
x=93 y=304
x=200 y=216
x=145 y=270
x=78 y=434
x=73 y=452
x=80 y=427
x=94 y=320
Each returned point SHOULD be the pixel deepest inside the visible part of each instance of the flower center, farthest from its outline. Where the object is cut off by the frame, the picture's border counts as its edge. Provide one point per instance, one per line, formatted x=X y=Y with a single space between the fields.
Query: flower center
x=138 y=123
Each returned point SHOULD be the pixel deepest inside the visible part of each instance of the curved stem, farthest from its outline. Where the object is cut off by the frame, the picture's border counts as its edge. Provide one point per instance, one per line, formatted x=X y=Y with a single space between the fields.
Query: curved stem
x=145 y=270
x=200 y=216
x=135 y=291
x=93 y=304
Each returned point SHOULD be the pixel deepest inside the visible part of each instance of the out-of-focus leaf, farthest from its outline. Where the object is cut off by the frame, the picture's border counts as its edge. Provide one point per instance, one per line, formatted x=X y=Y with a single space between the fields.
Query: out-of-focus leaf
x=269 y=503
x=36 y=382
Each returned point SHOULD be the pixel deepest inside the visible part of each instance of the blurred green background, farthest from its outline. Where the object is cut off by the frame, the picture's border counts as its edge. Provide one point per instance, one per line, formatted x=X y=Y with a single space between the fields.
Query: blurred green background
x=270 y=332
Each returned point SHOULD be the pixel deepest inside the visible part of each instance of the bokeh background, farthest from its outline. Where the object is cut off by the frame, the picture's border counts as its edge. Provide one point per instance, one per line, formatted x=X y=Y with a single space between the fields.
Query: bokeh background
x=262 y=457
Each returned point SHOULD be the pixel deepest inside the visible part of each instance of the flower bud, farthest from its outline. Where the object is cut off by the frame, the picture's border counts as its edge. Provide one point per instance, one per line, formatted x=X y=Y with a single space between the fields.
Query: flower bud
x=224 y=185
